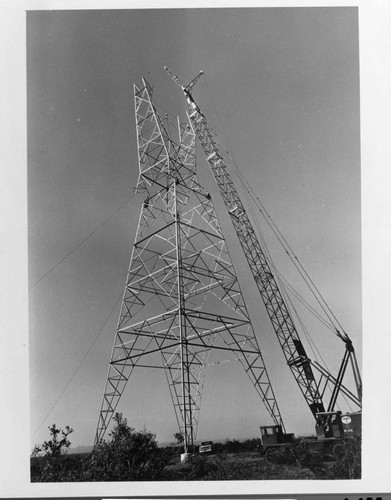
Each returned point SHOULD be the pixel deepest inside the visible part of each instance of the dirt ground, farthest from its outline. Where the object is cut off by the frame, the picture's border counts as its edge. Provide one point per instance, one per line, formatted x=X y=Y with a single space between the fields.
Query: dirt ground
x=236 y=466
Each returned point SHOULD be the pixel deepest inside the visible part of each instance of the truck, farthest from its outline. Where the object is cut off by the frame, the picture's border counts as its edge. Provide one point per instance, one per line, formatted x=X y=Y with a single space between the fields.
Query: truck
x=332 y=430
x=206 y=447
x=273 y=436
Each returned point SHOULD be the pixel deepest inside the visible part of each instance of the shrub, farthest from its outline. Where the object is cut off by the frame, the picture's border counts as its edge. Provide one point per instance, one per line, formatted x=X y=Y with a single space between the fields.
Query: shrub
x=233 y=446
x=48 y=462
x=349 y=467
x=129 y=456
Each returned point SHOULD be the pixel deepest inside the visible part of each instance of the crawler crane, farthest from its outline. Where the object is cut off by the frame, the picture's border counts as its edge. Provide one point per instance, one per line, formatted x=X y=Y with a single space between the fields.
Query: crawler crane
x=312 y=378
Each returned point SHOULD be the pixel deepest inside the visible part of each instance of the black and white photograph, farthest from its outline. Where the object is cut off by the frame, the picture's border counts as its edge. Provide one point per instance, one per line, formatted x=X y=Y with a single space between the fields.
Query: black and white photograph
x=196 y=248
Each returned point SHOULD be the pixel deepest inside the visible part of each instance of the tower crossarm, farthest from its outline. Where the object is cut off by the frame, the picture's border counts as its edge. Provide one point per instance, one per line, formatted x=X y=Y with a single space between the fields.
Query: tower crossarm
x=266 y=282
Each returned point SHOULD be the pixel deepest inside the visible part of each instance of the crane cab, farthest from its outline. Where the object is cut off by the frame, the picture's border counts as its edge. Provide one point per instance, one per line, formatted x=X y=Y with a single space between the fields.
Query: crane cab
x=328 y=425
x=335 y=424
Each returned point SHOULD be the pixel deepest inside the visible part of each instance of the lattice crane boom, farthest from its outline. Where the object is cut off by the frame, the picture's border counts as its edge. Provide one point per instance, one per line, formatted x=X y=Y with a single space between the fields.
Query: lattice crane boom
x=279 y=314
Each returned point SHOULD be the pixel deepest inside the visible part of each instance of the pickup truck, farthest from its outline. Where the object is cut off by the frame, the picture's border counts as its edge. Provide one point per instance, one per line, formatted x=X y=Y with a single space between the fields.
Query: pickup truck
x=206 y=447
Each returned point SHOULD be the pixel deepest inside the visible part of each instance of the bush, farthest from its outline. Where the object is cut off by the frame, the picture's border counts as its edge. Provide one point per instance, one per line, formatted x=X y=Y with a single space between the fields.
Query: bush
x=48 y=461
x=251 y=444
x=233 y=446
x=289 y=454
x=350 y=466
x=129 y=456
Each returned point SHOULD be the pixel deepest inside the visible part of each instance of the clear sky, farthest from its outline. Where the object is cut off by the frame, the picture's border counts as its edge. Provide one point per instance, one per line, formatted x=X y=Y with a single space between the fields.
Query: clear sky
x=281 y=89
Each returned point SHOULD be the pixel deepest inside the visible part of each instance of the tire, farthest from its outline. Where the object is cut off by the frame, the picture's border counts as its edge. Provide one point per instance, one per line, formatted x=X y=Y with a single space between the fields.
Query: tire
x=312 y=458
x=339 y=452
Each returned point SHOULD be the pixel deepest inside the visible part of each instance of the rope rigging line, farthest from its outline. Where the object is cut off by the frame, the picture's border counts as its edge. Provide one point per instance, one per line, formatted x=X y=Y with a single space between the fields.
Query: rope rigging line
x=81 y=242
x=79 y=365
x=120 y=296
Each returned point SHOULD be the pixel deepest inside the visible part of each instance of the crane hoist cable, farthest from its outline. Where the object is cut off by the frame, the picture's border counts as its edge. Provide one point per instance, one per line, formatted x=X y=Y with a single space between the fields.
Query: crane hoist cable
x=295 y=260
x=277 y=309
x=304 y=302
x=280 y=237
x=252 y=197
x=332 y=322
x=282 y=280
x=286 y=246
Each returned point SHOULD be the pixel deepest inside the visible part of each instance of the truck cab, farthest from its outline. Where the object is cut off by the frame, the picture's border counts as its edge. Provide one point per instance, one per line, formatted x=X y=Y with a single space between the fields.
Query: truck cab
x=272 y=436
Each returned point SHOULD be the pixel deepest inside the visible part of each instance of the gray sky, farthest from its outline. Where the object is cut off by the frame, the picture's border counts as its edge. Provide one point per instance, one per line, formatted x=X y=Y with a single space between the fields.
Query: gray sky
x=281 y=89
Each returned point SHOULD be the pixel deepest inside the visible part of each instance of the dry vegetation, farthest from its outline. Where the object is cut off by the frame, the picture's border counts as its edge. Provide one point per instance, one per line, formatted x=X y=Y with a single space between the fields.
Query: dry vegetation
x=131 y=455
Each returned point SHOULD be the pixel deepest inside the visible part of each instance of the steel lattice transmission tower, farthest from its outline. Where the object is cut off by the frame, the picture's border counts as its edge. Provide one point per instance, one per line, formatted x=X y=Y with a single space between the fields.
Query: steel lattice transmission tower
x=182 y=303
